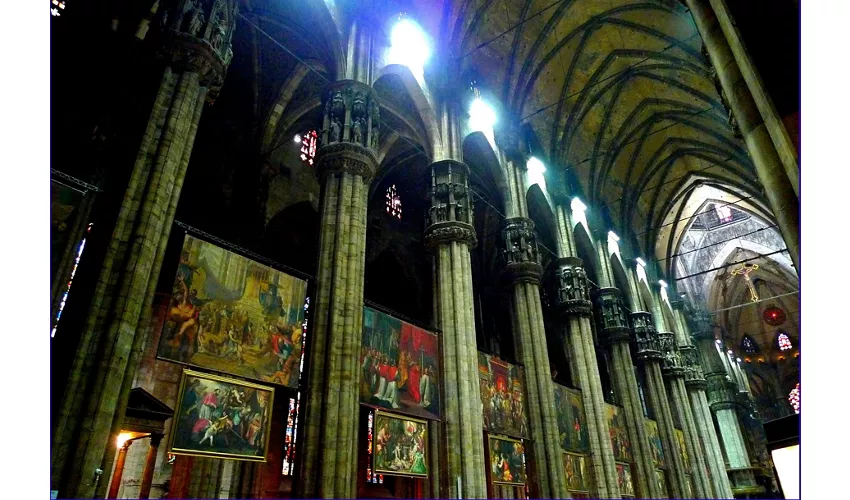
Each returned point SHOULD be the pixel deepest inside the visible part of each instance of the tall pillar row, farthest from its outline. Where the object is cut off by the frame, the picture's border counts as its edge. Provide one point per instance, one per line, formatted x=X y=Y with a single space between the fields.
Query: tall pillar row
x=347 y=162
x=523 y=271
x=575 y=307
x=780 y=179
x=450 y=235
x=615 y=333
x=695 y=386
x=196 y=53
x=720 y=396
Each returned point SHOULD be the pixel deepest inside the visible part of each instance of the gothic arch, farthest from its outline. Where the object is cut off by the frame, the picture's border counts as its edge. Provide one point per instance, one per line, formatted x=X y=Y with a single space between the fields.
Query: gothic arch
x=423 y=106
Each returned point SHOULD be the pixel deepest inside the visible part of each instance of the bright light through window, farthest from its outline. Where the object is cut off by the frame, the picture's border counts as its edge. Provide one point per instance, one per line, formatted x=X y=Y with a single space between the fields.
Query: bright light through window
x=579 y=216
x=536 y=168
x=724 y=213
x=613 y=245
x=482 y=118
x=409 y=46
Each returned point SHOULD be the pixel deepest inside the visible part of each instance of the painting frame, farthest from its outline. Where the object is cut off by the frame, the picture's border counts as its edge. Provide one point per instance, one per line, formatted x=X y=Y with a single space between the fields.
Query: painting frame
x=209 y=319
x=400 y=366
x=505 y=439
x=502 y=384
x=179 y=407
x=625 y=477
x=586 y=477
x=376 y=435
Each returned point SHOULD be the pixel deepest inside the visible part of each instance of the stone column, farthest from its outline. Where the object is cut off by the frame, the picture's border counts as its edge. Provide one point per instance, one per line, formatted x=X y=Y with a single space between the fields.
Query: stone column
x=695 y=385
x=720 y=395
x=772 y=121
x=522 y=270
x=347 y=162
x=674 y=373
x=649 y=353
x=574 y=307
x=197 y=54
x=150 y=466
x=613 y=328
x=780 y=183
x=449 y=235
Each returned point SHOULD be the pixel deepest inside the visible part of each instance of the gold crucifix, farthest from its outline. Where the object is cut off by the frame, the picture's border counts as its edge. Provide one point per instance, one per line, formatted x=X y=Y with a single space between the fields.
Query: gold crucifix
x=745 y=271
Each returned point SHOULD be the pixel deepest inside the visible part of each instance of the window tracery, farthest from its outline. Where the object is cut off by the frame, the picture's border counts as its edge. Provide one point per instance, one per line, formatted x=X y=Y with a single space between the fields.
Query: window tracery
x=794 y=398
x=393 y=203
x=783 y=342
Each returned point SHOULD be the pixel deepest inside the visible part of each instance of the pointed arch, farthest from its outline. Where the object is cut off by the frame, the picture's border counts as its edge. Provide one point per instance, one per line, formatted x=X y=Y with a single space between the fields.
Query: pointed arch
x=485 y=170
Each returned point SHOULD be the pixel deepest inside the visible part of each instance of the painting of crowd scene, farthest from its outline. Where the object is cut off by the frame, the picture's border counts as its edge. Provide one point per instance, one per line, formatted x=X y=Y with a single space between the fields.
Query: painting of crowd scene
x=577 y=472
x=399 y=365
x=624 y=480
x=655 y=443
x=400 y=445
x=221 y=417
x=502 y=387
x=507 y=461
x=572 y=426
x=617 y=430
x=233 y=315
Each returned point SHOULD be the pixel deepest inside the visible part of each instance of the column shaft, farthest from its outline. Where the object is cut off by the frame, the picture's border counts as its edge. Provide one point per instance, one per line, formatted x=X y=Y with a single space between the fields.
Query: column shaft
x=780 y=190
x=664 y=416
x=150 y=466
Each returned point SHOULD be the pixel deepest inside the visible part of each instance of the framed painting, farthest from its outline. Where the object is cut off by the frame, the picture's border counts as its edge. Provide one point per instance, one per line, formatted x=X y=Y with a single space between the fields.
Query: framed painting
x=617 y=430
x=502 y=388
x=661 y=481
x=572 y=426
x=624 y=480
x=655 y=444
x=400 y=366
x=683 y=450
x=400 y=445
x=221 y=417
x=507 y=460
x=233 y=315
x=577 y=472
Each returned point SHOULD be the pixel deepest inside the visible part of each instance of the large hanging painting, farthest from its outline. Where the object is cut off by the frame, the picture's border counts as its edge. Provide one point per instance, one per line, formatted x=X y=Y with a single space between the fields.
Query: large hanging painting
x=577 y=472
x=661 y=481
x=624 y=480
x=64 y=208
x=399 y=366
x=572 y=426
x=683 y=450
x=233 y=315
x=221 y=417
x=502 y=387
x=400 y=445
x=617 y=430
x=655 y=444
x=507 y=460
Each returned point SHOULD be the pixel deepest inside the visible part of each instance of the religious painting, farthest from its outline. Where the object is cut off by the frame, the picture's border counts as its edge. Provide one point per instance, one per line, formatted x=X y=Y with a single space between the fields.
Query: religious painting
x=655 y=444
x=65 y=202
x=502 y=387
x=400 y=366
x=221 y=417
x=577 y=472
x=683 y=450
x=624 y=480
x=572 y=426
x=233 y=315
x=617 y=430
x=661 y=481
x=507 y=460
x=689 y=488
x=400 y=445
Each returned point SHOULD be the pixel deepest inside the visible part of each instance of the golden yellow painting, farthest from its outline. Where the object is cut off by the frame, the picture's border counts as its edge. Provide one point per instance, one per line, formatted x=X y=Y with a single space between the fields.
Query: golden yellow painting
x=231 y=314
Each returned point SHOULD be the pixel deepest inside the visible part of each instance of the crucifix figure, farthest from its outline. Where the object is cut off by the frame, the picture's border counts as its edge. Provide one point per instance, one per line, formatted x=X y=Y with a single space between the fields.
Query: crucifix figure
x=745 y=271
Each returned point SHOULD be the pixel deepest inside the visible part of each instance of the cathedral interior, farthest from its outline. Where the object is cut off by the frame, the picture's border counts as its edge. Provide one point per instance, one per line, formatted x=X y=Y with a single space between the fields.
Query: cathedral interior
x=423 y=248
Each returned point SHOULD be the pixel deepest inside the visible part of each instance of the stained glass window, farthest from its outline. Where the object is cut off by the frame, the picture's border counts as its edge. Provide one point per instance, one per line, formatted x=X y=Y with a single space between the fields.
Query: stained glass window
x=370 y=427
x=80 y=249
x=291 y=433
x=724 y=213
x=309 y=142
x=393 y=203
x=748 y=345
x=794 y=398
x=57 y=6
x=784 y=342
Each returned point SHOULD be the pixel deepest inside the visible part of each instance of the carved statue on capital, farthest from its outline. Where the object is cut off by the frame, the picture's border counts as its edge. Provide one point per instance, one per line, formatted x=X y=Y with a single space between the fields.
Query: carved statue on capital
x=520 y=256
x=570 y=287
x=645 y=336
x=450 y=217
x=349 y=129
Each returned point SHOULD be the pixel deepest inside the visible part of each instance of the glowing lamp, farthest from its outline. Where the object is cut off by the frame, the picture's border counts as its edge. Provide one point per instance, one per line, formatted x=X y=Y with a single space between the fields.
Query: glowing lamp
x=122 y=438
